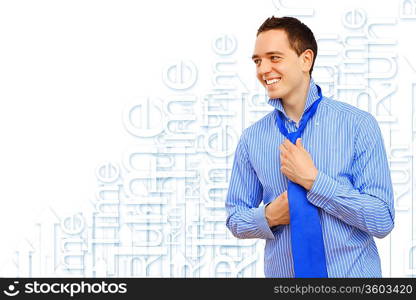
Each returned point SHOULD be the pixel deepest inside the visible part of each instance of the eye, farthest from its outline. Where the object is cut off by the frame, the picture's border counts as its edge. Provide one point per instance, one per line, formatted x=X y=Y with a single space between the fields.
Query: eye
x=256 y=61
x=274 y=57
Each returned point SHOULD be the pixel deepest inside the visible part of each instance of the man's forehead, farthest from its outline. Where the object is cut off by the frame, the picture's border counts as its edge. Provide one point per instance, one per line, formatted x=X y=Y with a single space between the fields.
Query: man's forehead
x=274 y=40
x=268 y=53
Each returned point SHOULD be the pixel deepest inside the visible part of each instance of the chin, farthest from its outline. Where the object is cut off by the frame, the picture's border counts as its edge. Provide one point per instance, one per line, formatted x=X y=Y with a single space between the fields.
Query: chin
x=276 y=93
x=273 y=95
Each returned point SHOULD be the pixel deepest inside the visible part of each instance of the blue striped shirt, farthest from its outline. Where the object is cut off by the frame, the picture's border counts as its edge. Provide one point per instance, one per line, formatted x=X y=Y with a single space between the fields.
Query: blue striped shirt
x=353 y=190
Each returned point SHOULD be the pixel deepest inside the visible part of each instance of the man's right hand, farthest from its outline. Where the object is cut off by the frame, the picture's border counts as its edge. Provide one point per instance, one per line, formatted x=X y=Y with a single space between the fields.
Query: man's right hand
x=277 y=212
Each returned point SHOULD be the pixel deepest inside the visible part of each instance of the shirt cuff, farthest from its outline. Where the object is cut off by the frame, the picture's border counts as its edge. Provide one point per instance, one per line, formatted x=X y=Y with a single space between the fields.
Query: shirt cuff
x=322 y=191
x=261 y=222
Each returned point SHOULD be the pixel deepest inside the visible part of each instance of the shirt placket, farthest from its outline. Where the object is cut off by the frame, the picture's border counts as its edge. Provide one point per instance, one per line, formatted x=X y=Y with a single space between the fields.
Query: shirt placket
x=291 y=126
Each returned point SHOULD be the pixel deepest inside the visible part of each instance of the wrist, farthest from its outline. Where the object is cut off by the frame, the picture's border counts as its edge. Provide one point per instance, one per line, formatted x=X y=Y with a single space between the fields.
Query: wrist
x=310 y=181
x=270 y=220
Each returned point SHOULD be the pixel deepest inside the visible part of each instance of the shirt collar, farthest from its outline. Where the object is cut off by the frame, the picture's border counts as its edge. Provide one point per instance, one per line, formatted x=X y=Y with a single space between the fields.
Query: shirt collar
x=310 y=99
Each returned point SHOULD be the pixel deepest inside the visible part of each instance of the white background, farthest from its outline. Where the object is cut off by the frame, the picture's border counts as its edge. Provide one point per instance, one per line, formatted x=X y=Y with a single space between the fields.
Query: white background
x=69 y=68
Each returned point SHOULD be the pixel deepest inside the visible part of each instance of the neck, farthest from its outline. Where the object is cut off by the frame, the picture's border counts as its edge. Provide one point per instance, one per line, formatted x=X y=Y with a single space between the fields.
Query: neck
x=294 y=103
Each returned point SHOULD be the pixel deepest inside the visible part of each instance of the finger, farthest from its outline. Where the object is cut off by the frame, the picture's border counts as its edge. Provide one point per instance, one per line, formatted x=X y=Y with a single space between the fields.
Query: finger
x=285 y=170
x=285 y=157
x=299 y=142
x=283 y=153
x=289 y=145
x=288 y=165
x=283 y=145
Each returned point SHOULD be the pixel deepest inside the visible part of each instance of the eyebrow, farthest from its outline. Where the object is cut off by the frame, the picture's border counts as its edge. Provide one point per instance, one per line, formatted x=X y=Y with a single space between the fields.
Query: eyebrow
x=267 y=53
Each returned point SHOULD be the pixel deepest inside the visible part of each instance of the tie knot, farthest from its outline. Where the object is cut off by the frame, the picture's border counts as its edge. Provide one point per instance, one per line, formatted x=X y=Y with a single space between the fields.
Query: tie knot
x=293 y=136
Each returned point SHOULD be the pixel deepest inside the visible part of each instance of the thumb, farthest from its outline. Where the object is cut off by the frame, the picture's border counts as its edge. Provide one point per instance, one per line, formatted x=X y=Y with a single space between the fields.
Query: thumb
x=299 y=142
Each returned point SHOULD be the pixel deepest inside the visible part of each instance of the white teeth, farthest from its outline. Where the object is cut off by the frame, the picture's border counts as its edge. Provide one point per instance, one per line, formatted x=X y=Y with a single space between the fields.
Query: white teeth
x=272 y=81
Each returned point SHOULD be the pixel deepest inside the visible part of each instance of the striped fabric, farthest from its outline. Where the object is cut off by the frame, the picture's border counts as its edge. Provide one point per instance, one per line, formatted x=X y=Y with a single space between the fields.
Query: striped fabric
x=353 y=189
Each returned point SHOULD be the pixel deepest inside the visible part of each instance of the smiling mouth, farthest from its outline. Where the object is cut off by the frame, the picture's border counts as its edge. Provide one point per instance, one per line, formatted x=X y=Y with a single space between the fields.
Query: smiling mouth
x=272 y=81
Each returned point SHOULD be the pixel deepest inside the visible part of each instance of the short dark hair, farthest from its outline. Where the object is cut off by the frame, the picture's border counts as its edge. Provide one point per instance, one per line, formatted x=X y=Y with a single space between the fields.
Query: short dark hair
x=300 y=36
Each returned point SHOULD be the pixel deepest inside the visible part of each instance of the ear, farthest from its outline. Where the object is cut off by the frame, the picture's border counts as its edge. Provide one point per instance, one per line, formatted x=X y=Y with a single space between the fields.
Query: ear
x=307 y=60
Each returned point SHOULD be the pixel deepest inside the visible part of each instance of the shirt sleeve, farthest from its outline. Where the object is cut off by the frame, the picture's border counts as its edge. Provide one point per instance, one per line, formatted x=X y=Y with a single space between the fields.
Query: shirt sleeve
x=368 y=202
x=245 y=218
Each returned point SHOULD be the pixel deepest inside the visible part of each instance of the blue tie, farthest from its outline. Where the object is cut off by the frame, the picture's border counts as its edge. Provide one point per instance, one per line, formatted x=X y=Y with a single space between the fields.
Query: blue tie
x=306 y=233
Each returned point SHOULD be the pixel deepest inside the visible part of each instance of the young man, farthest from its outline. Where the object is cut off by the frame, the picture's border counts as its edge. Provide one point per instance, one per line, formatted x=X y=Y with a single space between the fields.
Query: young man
x=325 y=195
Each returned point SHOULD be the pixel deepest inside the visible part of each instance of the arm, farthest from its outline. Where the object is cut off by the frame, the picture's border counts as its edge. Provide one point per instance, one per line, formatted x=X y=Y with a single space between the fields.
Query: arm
x=245 y=219
x=368 y=202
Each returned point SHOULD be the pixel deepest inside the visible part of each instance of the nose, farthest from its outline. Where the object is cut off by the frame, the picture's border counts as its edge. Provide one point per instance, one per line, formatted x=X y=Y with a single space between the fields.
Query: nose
x=264 y=68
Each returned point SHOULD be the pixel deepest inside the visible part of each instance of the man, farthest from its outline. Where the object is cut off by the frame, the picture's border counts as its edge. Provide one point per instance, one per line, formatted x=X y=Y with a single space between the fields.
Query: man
x=340 y=163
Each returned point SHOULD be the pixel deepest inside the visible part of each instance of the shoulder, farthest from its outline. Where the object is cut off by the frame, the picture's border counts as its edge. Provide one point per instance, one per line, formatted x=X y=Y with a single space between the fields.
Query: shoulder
x=362 y=125
x=259 y=128
x=342 y=110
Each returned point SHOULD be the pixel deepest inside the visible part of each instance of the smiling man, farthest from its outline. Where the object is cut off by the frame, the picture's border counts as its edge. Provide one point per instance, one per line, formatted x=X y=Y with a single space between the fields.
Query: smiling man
x=318 y=165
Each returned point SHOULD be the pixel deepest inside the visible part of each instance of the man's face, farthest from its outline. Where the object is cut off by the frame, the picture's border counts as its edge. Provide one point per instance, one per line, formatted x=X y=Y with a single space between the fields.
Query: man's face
x=276 y=61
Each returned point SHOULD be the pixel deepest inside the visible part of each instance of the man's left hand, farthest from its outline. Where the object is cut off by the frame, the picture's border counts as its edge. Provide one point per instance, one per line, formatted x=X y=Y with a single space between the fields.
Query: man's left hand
x=296 y=163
